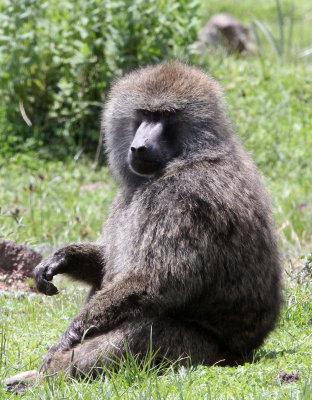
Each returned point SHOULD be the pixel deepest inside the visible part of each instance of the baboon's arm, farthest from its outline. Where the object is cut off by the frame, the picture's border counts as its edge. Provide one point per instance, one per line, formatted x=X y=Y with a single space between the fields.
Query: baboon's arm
x=81 y=261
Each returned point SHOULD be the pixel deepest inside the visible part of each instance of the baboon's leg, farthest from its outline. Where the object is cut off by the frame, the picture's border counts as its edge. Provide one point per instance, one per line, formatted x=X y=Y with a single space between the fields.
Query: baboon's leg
x=19 y=382
x=170 y=340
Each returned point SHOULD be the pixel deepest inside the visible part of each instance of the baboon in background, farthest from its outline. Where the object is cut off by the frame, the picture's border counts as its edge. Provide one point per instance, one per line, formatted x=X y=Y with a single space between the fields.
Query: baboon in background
x=188 y=258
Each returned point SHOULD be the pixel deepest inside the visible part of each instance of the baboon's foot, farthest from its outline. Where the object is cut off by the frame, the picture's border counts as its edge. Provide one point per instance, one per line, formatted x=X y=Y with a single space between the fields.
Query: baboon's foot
x=19 y=382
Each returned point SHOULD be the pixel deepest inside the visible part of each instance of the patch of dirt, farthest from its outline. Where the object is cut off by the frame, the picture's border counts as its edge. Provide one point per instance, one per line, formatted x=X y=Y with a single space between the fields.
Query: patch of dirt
x=17 y=263
x=305 y=206
x=288 y=378
x=16 y=286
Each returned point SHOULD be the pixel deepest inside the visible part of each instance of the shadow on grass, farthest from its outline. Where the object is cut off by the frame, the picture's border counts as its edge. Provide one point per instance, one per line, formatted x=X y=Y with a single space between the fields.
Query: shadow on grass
x=272 y=355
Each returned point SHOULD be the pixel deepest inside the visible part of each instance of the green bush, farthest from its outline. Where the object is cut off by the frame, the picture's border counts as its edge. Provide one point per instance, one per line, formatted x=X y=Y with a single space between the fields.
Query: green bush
x=57 y=59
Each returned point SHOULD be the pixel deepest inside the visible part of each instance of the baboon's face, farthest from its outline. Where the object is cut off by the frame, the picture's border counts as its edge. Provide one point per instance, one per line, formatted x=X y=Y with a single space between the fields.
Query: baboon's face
x=156 y=141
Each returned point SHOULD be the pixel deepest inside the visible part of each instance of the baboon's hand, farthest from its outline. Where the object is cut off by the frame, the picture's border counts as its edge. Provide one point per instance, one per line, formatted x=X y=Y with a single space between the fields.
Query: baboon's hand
x=45 y=271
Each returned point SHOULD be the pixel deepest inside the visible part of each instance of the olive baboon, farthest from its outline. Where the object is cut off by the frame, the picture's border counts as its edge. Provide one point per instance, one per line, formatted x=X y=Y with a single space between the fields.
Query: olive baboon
x=188 y=254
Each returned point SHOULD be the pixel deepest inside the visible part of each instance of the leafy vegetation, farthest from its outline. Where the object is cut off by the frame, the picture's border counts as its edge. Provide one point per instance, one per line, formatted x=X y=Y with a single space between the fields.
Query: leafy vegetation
x=59 y=57
x=46 y=202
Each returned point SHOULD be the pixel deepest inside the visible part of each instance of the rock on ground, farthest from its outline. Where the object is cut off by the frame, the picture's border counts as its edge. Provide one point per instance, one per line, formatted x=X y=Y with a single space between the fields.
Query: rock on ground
x=17 y=262
x=226 y=30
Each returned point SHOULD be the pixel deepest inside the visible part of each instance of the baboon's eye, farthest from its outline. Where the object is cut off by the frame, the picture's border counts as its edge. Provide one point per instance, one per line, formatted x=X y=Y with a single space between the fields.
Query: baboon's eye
x=166 y=114
x=146 y=113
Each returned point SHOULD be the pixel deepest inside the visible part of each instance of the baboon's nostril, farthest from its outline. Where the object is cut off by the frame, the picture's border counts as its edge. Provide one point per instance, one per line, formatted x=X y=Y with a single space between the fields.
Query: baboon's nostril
x=139 y=149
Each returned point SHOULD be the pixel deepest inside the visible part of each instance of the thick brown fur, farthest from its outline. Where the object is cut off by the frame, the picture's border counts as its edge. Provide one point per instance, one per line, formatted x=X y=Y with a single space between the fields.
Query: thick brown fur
x=189 y=257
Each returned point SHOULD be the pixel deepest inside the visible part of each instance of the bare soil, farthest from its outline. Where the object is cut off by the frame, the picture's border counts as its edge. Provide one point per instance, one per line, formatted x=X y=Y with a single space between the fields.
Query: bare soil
x=17 y=263
x=288 y=378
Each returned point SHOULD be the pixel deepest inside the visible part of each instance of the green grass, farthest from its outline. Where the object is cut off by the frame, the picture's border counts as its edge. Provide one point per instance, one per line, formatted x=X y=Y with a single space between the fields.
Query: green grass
x=44 y=202
x=49 y=201
x=288 y=348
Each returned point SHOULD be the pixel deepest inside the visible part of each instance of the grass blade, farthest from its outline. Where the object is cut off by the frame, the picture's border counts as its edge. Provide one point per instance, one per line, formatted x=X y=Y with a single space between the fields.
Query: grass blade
x=269 y=36
x=280 y=17
x=291 y=25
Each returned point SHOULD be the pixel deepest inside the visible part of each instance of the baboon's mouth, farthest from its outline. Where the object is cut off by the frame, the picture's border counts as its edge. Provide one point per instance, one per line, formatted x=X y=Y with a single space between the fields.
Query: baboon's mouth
x=146 y=168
